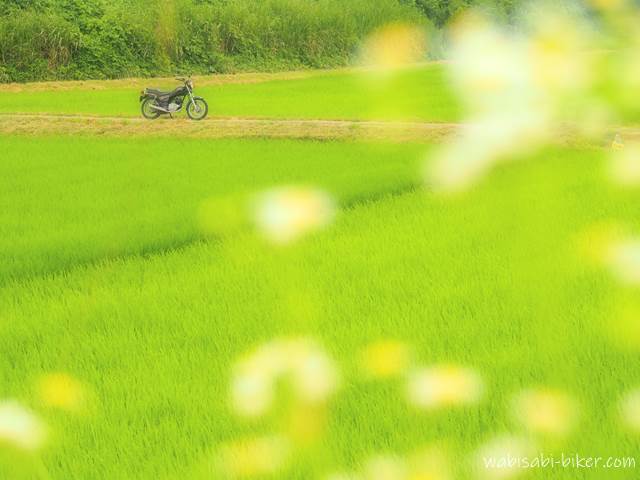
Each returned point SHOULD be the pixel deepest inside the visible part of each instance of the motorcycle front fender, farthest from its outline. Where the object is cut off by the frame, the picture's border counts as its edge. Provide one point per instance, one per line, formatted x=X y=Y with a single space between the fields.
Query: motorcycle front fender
x=194 y=98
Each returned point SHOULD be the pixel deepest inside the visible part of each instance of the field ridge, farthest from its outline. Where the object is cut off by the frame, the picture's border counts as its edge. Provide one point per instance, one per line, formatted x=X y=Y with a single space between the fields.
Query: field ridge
x=34 y=124
x=225 y=127
x=178 y=245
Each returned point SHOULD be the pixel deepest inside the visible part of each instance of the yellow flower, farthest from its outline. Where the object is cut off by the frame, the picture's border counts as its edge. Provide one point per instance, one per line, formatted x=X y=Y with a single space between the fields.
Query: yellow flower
x=595 y=242
x=429 y=463
x=444 y=386
x=385 y=468
x=385 y=359
x=617 y=143
x=546 y=411
x=62 y=391
x=255 y=456
x=558 y=53
x=608 y=4
x=307 y=423
x=394 y=46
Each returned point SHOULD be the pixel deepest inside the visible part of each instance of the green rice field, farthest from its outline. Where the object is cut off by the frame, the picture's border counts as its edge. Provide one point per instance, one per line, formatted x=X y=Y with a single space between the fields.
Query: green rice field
x=327 y=95
x=133 y=278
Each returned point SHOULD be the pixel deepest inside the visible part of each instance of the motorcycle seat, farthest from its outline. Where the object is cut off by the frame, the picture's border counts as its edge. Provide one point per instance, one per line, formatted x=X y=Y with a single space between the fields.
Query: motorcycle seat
x=161 y=93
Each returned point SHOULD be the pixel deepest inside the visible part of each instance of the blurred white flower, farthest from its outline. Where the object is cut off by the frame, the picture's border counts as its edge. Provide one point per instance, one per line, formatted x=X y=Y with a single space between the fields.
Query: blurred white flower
x=428 y=463
x=252 y=389
x=286 y=214
x=624 y=167
x=488 y=65
x=506 y=111
x=252 y=393
x=546 y=411
x=344 y=476
x=499 y=458
x=254 y=457
x=313 y=375
x=515 y=88
x=20 y=426
x=483 y=143
x=623 y=258
x=444 y=386
x=630 y=410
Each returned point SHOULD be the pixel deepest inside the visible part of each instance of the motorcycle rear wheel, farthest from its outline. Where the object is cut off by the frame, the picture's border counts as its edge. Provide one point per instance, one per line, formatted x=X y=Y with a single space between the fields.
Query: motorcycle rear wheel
x=147 y=111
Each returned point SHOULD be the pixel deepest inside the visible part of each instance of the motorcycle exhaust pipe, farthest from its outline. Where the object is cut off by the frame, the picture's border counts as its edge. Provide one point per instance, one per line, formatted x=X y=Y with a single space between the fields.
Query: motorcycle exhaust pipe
x=156 y=107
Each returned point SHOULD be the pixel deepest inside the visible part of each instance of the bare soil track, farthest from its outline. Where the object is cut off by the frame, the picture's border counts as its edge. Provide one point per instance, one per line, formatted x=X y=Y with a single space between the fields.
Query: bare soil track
x=225 y=127
x=43 y=124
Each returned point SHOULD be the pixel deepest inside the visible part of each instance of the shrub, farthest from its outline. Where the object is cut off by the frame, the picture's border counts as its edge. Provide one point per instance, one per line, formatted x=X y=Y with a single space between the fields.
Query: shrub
x=51 y=39
x=36 y=45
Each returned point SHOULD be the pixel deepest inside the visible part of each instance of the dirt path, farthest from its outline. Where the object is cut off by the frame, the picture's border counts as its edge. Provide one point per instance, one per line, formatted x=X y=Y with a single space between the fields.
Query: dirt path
x=50 y=124
x=42 y=124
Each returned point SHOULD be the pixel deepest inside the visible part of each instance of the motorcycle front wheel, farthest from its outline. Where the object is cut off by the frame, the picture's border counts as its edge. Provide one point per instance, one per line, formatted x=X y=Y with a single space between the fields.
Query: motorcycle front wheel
x=197 y=109
x=148 y=111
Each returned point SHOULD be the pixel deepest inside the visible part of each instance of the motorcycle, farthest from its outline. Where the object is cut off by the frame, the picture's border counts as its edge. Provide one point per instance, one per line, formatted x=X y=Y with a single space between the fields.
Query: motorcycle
x=157 y=102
